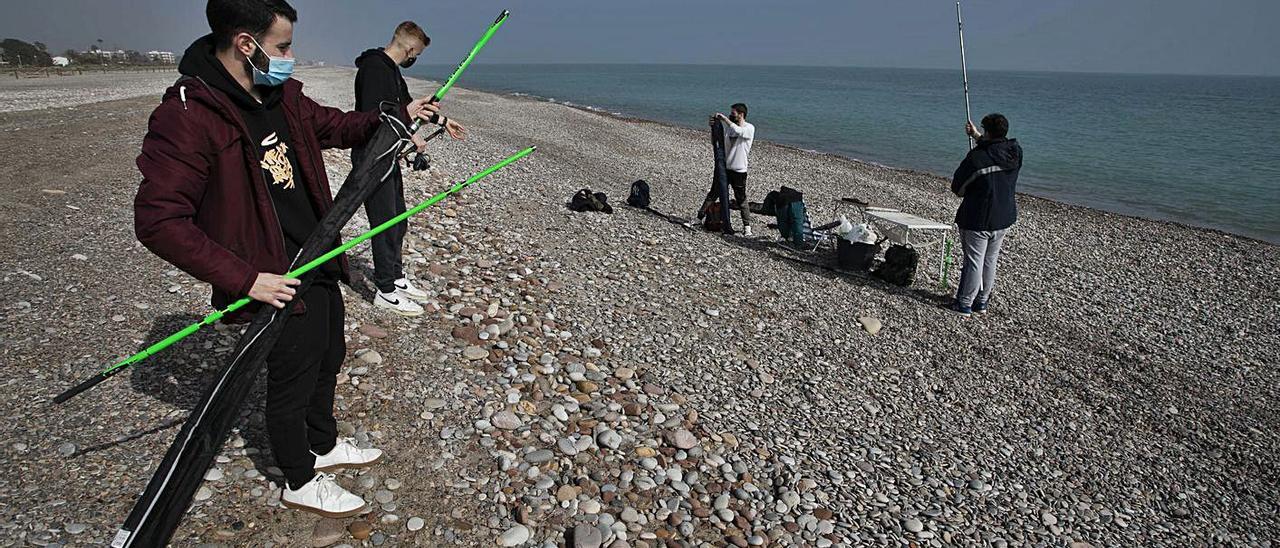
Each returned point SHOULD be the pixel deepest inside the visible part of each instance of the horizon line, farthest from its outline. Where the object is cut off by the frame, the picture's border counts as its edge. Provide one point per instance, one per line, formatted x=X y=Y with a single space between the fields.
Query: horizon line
x=775 y=65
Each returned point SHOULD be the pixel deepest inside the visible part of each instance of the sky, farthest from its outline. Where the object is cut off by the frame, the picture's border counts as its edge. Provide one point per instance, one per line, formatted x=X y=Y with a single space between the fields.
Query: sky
x=1136 y=36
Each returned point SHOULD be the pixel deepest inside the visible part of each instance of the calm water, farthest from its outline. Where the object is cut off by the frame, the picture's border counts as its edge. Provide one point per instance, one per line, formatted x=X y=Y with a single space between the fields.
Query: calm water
x=1201 y=150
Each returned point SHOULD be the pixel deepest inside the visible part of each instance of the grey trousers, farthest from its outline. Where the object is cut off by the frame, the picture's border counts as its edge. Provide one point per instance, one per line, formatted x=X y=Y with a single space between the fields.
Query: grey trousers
x=978 y=275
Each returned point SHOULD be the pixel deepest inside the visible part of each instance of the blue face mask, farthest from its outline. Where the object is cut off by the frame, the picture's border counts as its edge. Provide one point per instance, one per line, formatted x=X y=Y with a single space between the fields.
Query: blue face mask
x=279 y=69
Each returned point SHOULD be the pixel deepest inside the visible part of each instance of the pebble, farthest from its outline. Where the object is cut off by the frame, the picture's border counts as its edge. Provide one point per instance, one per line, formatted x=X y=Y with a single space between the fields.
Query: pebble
x=610 y=439
x=373 y=331
x=416 y=523
x=67 y=449
x=372 y=357
x=540 y=456
x=475 y=353
x=587 y=536
x=912 y=525
x=326 y=532
x=75 y=528
x=360 y=529
x=682 y=439
x=514 y=536
x=871 y=325
x=506 y=420
x=1048 y=519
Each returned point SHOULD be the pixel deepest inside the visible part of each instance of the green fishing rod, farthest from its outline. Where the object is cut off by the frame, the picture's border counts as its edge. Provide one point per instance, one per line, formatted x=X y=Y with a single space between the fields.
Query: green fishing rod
x=466 y=62
x=298 y=272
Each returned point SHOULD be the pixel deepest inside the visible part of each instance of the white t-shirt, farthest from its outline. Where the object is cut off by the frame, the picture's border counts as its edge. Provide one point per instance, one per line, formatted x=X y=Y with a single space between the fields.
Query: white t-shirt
x=737 y=145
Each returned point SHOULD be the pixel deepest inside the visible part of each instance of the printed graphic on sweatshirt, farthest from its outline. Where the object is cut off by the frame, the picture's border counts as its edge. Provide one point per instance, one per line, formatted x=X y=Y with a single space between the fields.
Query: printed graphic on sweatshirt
x=276 y=161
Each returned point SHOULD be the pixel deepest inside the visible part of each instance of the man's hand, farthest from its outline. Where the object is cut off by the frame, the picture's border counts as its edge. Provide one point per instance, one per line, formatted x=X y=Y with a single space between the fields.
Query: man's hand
x=455 y=130
x=422 y=108
x=972 y=130
x=420 y=142
x=273 y=289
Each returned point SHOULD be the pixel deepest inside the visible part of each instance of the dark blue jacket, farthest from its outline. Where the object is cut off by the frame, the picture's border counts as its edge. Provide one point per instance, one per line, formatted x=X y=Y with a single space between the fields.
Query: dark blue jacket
x=987 y=179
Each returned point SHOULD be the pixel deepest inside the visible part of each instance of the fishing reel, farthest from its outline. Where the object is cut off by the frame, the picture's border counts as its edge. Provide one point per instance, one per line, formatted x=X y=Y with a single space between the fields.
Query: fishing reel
x=421 y=162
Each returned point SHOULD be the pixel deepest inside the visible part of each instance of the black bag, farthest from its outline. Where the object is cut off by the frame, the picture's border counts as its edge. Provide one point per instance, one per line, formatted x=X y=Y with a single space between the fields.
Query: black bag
x=855 y=256
x=639 y=194
x=585 y=200
x=712 y=220
x=899 y=266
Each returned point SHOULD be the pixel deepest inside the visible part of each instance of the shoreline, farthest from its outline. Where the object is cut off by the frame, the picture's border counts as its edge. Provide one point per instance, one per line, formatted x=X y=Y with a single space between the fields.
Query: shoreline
x=870 y=163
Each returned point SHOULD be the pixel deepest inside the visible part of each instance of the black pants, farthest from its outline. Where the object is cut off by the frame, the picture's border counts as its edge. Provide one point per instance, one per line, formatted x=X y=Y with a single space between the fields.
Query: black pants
x=302 y=371
x=738 y=183
x=388 y=247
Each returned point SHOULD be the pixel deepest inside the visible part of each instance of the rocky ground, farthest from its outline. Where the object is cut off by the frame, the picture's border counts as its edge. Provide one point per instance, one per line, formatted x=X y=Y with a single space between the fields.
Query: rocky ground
x=619 y=380
x=79 y=89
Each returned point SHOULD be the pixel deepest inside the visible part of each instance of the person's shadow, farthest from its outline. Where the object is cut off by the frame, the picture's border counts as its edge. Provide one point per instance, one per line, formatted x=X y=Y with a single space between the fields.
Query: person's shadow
x=181 y=375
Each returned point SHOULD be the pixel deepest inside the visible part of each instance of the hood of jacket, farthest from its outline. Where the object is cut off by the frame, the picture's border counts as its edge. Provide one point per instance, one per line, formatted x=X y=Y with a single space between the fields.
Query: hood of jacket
x=1006 y=153
x=201 y=61
x=376 y=55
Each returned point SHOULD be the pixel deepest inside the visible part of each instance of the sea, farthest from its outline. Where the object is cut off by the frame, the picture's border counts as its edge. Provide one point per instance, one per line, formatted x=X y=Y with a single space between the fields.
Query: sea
x=1198 y=150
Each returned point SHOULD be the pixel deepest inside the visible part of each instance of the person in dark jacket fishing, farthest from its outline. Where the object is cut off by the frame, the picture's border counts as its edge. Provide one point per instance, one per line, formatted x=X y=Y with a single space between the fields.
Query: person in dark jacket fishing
x=378 y=80
x=987 y=179
x=233 y=184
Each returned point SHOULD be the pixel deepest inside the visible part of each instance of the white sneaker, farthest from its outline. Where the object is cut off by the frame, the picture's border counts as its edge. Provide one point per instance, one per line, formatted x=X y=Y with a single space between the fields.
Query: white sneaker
x=398 y=303
x=346 y=455
x=322 y=495
x=407 y=289
x=747 y=231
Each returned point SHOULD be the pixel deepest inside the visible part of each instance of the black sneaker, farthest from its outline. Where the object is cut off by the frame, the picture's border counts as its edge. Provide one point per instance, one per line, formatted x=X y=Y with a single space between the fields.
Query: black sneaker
x=979 y=308
x=960 y=309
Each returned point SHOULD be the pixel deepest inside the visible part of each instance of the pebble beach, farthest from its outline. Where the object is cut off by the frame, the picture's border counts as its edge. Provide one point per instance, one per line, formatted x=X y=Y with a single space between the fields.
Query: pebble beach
x=589 y=380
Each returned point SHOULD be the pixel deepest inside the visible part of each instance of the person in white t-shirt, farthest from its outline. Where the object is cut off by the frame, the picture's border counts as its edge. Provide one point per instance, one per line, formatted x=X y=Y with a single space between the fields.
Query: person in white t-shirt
x=738 y=135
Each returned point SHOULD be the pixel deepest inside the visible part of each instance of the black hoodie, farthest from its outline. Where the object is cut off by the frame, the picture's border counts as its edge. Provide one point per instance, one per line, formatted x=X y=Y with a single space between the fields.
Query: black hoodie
x=272 y=143
x=378 y=79
x=987 y=179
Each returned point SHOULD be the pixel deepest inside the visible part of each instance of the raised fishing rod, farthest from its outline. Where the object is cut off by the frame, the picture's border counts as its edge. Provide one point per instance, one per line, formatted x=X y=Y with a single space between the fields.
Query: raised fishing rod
x=296 y=273
x=453 y=78
x=964 y=71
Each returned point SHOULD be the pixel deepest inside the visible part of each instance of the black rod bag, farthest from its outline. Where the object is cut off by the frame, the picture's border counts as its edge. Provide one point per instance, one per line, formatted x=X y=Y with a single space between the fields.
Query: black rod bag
x=721 y=176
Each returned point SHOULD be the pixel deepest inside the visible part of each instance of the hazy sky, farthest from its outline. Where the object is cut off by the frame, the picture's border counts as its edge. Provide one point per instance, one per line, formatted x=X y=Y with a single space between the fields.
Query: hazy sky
x=1160 y=36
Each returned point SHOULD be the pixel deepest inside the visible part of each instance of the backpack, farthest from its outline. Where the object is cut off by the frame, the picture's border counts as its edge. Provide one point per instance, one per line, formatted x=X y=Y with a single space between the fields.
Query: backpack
x=899 y=266
x=585 y=200
x=712 y=221
x=639 y=194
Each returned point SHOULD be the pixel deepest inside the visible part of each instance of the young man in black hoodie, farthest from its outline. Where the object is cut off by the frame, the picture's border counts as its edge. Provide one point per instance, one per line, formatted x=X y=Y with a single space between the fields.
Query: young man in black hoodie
x=987 y=179
x=233 y=184
x=378 y=80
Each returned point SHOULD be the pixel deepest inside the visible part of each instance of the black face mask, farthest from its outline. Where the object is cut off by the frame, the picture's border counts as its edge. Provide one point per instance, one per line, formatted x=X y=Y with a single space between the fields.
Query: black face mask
x=408 y=62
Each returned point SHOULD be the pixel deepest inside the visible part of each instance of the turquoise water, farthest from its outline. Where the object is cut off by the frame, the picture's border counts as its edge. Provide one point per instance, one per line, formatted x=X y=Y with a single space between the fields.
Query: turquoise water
x=1201 y=150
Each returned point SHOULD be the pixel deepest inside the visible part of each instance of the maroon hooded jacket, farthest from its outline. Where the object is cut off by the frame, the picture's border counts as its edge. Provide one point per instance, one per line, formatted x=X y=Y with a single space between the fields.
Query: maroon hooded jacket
x=203 y=204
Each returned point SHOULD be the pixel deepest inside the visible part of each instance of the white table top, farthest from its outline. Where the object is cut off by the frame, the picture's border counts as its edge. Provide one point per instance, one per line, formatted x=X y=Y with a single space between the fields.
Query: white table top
x=907 y=220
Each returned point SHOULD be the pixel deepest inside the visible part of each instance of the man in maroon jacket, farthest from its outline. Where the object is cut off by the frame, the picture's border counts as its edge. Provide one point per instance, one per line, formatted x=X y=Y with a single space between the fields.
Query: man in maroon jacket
x=233 y=184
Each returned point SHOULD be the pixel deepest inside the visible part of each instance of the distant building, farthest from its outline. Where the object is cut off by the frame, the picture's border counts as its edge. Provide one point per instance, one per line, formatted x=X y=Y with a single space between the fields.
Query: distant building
x=106 y=55
x=165 y=57
x=61 y=61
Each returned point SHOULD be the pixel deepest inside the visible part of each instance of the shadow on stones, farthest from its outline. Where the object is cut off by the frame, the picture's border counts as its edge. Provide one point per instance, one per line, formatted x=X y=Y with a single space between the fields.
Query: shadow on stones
x=362 y=276
x=181 y=374
x=823 y=264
